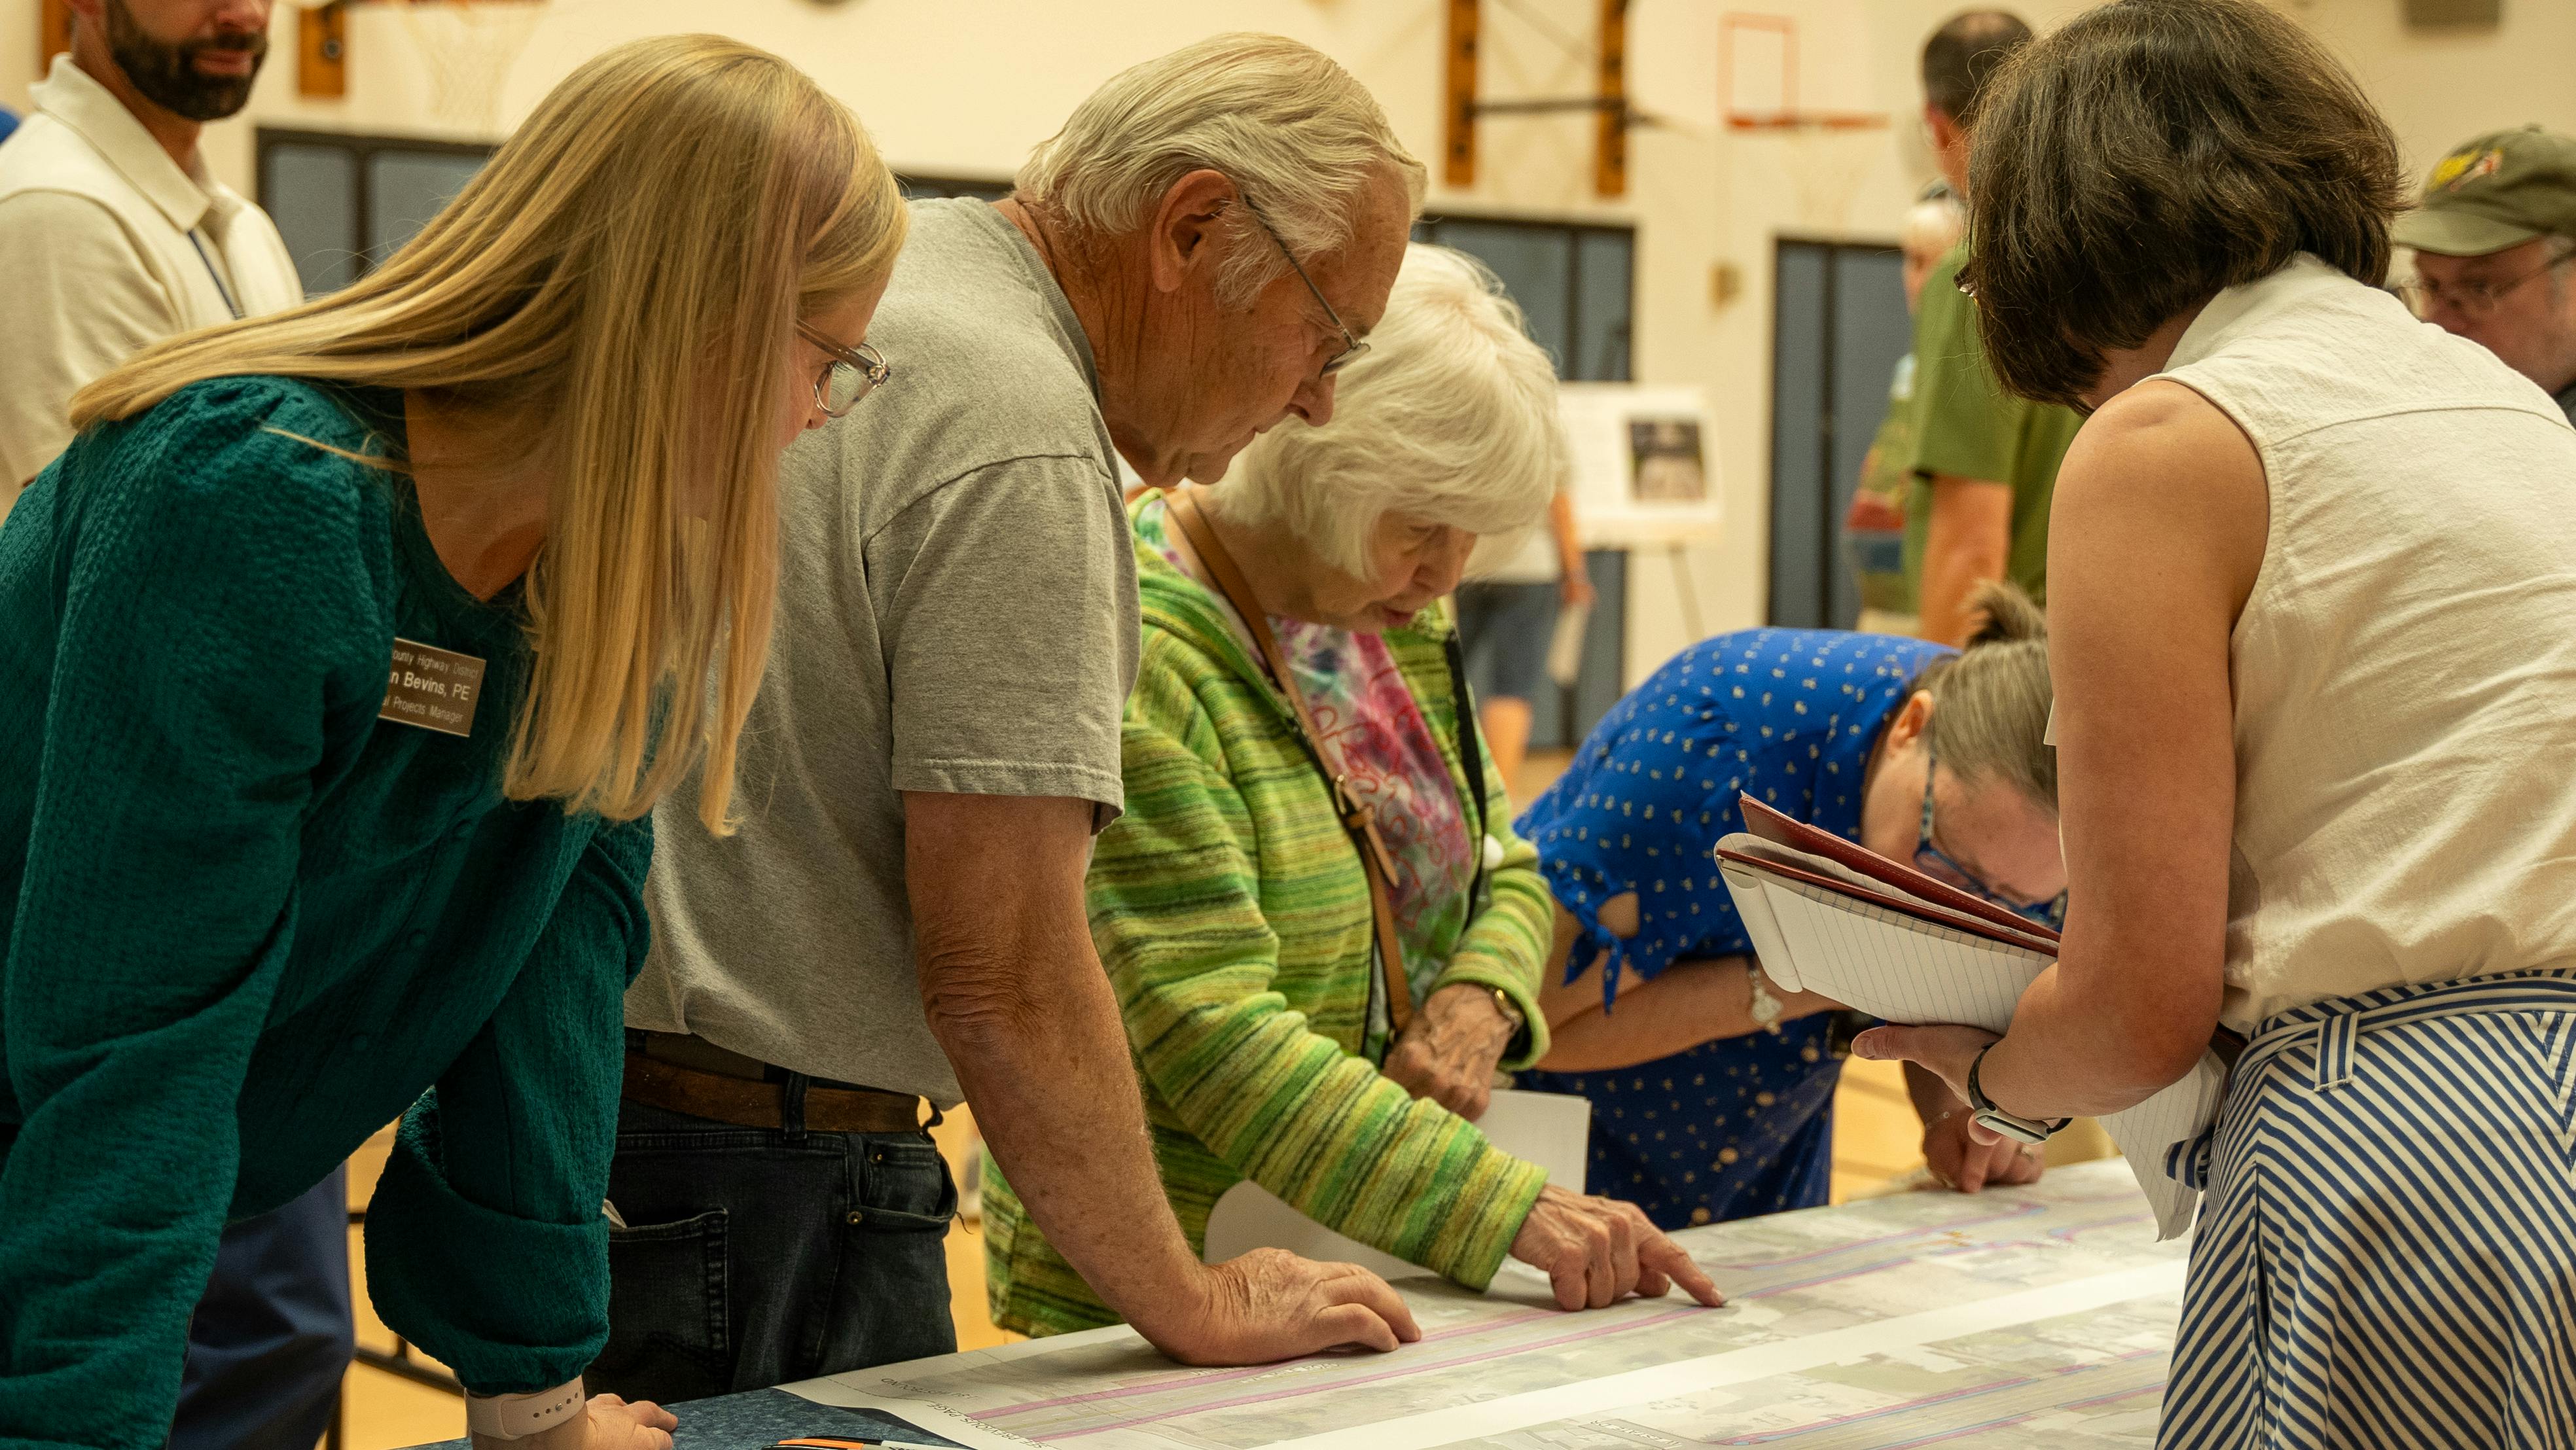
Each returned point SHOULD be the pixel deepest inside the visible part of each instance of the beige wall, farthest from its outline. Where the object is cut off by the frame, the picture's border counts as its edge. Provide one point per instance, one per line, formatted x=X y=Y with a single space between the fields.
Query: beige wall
x=966 y=86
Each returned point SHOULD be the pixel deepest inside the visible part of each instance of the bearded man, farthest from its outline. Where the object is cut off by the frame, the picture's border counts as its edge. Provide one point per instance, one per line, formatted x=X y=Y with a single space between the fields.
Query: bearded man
x=112 y=233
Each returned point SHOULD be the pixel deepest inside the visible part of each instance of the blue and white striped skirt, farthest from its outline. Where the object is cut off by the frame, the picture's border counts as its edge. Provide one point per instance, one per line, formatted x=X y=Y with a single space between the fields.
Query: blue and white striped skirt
x=2387 y=1252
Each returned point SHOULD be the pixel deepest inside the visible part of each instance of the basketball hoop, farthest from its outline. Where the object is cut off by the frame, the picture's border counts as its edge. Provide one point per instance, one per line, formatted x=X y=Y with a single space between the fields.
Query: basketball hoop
x=1825 y=155
x=469 y=47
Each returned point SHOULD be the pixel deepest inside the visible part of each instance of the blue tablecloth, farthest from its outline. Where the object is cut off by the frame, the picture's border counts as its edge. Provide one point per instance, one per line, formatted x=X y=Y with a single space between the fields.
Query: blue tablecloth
x=750 y=1421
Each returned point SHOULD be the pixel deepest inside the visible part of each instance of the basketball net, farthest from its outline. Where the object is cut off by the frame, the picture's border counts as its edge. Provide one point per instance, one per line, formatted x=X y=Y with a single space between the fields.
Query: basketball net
x=469 y=47
x=1826 y=163
x=1828 y=166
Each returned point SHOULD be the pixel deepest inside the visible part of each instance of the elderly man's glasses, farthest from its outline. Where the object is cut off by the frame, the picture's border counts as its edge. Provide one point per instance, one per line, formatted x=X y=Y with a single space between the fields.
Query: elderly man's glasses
x=1932 y=861
x=855 y=372
x=1352 y=347
x=2471 y=300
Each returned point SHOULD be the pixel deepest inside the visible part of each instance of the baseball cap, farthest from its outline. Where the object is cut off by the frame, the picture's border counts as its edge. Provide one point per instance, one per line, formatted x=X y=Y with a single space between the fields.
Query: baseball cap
x=2498 y=191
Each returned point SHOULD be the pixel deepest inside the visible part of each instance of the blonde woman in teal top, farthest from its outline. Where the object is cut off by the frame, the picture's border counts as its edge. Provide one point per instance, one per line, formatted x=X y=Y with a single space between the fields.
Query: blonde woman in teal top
x=260 y=902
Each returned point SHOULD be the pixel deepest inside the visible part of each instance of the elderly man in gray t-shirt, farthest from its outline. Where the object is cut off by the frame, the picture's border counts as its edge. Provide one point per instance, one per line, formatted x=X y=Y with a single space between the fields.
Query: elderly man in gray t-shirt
x=900 y=915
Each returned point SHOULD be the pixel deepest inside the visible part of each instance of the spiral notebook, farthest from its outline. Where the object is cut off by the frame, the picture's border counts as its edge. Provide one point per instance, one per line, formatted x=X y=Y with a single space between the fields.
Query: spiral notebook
x=1828 y=917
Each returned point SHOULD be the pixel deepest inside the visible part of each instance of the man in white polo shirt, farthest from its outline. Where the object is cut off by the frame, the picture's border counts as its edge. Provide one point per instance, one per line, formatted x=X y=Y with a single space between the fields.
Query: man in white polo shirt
x=112 y=237
x=112 y=234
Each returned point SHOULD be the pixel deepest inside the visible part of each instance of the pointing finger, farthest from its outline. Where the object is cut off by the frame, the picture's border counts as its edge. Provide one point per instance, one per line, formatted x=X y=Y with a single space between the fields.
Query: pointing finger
x=1672 y=1260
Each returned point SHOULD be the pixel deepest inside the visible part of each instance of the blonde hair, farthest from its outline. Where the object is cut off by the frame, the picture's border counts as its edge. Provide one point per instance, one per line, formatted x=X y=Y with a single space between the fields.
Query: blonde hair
x=628 y=272
x=1990 y=700
x=1450 y=416
x=1287 y=125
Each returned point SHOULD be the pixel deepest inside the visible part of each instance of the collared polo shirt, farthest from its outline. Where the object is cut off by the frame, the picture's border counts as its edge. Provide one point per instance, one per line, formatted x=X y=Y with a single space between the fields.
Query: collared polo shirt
x=107 y=246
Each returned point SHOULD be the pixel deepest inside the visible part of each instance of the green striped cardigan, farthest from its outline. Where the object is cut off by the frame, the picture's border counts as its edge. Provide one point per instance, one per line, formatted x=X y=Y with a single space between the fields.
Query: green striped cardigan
x=1233 y=918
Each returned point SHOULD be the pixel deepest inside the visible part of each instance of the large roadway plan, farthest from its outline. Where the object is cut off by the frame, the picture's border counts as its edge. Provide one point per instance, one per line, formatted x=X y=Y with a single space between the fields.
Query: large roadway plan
x=2021 y=1317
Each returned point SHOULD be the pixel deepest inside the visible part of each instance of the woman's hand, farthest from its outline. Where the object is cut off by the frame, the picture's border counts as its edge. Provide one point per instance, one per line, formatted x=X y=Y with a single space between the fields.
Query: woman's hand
x=1957 y=1159
x=611 y=1424
x=1946 y=1052
x=617 y=1425
x=1449 y=1051
x=1596 y=1251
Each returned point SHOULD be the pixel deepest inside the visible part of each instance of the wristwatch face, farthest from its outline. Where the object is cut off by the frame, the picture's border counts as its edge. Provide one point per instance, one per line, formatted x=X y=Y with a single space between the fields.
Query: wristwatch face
x=2020 y=1130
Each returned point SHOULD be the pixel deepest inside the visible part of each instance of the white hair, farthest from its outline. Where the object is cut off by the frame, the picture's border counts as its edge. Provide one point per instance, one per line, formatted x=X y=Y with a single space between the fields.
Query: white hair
x=1933 y=225
x=1299 y=138
x=1451 y=416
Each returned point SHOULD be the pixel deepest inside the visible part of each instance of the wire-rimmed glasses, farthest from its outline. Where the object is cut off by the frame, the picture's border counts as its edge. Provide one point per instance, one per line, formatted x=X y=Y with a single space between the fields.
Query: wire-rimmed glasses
x=1932 y=861
x=855 y=372
x=1352 y=347
x=2474 y=301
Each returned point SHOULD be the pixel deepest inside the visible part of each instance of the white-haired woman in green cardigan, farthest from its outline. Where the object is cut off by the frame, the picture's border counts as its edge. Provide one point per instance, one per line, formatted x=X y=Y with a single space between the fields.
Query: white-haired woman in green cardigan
x=1318 y=997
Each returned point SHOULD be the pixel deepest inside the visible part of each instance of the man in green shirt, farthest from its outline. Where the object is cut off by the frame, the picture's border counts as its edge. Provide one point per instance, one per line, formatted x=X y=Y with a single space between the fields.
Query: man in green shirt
x=1985 y=462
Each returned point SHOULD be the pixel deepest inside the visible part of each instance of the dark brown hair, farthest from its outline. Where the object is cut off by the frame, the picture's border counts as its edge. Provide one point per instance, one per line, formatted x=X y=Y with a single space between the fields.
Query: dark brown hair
x=1963 y=56
x=2146 y=156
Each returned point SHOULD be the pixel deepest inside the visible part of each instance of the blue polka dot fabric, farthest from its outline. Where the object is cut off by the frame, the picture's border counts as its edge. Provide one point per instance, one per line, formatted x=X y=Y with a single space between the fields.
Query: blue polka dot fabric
x=1742 y=1125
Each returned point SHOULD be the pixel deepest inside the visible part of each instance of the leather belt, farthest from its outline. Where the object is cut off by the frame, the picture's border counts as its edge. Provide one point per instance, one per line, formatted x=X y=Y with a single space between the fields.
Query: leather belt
x=676 y=1088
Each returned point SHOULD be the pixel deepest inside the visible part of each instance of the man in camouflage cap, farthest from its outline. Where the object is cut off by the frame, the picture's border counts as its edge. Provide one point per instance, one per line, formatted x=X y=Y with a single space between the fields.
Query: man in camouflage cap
x=2493 y=238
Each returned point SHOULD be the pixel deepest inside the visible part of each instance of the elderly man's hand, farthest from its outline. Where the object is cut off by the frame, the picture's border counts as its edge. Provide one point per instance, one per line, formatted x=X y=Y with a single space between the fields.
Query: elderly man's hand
x=1595 y=1251
x=1449 y=1050
x=1271 y=1305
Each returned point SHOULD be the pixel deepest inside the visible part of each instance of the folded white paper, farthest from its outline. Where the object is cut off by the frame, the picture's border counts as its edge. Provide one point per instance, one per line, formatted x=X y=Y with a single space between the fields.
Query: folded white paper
x=1874 y=948
x=1549 y=1129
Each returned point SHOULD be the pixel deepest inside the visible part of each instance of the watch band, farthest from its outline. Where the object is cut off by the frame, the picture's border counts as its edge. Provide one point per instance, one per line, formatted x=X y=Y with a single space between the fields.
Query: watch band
x=1986 y=1115
x=1515 y=1018
x=516 y=1417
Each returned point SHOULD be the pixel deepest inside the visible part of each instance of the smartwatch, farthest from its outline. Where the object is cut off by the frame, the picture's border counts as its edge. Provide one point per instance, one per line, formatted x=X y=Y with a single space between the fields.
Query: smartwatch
x=516 y=1417
x=1983 y=1112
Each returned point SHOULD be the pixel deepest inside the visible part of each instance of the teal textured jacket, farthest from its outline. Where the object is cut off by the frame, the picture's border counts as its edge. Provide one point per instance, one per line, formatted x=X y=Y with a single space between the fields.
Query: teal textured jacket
x=248 y=923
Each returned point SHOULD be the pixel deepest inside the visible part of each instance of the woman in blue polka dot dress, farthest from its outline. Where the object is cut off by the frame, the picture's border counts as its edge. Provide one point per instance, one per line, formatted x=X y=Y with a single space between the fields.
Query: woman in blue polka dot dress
x=1712 y=1093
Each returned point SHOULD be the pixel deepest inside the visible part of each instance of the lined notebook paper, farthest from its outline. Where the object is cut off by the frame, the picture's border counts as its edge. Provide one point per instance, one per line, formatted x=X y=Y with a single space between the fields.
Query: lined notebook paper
x=1840 y=928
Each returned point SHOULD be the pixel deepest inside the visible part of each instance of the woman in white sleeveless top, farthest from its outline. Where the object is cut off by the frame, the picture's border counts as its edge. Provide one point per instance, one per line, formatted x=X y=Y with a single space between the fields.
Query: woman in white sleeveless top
x=2312 y=581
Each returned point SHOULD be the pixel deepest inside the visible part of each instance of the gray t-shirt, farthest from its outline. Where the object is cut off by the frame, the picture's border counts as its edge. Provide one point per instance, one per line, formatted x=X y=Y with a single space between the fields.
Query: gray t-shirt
x=957 y=613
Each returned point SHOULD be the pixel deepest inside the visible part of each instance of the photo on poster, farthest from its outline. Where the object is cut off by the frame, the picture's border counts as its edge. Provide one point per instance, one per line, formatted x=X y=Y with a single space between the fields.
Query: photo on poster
x=1667 y=465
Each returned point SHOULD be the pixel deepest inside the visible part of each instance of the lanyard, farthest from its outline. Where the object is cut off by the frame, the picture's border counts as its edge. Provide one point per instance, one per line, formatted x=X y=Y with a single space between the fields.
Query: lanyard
x=1359 y=819
x=221 y=290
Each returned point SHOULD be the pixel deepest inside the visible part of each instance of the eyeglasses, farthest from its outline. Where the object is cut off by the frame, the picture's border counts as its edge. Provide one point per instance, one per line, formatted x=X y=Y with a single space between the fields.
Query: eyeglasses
x=855 y=372
x=1352 y=347
x=2472 y=300
x=1932 y=861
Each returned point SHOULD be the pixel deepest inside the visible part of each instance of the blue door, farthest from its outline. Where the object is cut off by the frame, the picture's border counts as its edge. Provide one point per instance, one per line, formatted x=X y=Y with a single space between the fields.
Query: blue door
x=1839 y=326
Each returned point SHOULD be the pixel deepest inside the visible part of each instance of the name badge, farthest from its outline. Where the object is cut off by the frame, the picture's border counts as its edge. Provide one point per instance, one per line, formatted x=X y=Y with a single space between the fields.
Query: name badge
x=433 y=688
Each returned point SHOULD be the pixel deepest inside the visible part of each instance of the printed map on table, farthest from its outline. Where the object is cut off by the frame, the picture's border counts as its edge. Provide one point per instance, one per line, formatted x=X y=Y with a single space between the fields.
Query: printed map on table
x=2037 y=1316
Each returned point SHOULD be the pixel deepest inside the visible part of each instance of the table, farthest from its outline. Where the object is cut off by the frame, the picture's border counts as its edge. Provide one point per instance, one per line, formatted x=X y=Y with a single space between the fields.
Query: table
x=2016 y=1319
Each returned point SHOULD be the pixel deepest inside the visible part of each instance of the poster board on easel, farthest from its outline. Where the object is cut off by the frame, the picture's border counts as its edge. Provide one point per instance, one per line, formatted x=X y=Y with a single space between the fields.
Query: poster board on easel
x=1645 y=464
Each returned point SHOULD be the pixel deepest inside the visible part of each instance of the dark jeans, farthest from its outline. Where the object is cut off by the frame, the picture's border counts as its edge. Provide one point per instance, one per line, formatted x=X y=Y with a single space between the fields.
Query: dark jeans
x=272 y=1336
x=756 y=1257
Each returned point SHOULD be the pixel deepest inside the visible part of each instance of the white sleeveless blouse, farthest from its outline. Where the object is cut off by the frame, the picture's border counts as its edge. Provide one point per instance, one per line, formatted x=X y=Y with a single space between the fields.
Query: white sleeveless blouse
x=2405 y=668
